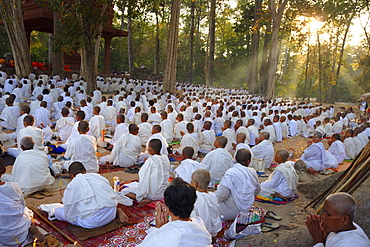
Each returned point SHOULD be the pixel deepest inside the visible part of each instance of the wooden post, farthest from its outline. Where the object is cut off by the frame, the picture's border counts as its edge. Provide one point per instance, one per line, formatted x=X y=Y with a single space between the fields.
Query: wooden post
x=108 y=41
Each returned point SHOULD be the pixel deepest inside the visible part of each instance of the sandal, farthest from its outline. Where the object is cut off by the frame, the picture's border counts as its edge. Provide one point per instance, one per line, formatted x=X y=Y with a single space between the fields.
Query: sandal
x=36 y=195
x=267 y=227
x=262 y=174
x=272 y=215
x=45 y=192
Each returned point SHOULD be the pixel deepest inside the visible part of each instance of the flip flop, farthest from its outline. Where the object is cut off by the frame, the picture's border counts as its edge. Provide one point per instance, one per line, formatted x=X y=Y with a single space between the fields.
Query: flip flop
x=45 y=192
x=267 y=227
x=36 y=195
x=262 y=174
x=272 y=215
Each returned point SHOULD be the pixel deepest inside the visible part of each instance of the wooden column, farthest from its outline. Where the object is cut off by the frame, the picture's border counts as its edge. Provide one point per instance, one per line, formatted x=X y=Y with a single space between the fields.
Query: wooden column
x=108 y=41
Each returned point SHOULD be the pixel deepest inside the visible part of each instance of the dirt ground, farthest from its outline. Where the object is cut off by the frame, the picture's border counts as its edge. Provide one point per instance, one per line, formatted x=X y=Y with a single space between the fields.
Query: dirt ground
x=292 y=231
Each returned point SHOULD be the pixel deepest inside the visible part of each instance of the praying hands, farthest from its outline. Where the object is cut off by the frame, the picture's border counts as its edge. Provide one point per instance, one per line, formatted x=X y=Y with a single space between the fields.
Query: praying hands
x=313 y=223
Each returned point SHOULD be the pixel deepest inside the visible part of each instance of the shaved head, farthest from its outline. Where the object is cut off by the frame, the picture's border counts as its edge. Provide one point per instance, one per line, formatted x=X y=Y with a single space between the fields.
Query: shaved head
x=188 y=152
x=241 y=136
x=243 y=156
x=265 y=135
x=343 y=204
x=283 y=154
x=202 y=177
x=222 y=140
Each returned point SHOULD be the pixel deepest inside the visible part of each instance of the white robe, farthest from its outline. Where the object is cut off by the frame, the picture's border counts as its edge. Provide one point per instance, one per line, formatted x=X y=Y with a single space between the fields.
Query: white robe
x=160 y=137
x=350 y=147
x=15 y=219
x=145 y=132
x=64 y=126
x=179 y=233
x=337 y=149
x=10 y=116
x=206 y=140
x=355 y=237
x=314 y=156
x=264 y=150
x=270 y=129
x=42 y=116
x=36 y=134
x=284 y=129
x=126 y=150
x=217 y=162
x=330 y=161
x=186 y=169
x=84 y=197
x=188 y=140
x=83 y=148
x=238 y=187
x=153 y=178
x=121 y=129
x=278 y=131
x=180 y=126
x=337 y=127
x=292 y=127
x=167 y=130
x=244 y=130
x=31 y=171
x=357 y=143
x=231 y=138
x=206 y=207
x=283 y=179
x=97 y=124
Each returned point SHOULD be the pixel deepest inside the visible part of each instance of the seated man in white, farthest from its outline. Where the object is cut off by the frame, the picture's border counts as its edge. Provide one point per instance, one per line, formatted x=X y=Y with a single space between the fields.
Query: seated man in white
x=97 y=123
x=167 y=127
x=189 y=139
x=229 y=134
x=240 y=143
x=349 y=145
x=179 y=126
x=154 y=117
x=42 y=115
x=125 y=150
x=145 y=129
x=182 y=230
x=206 y=138
x=206 y=206
x=238 y=187
x=283 y=181
x=156 y=134
x=10 y=115
x=16 y=224
x=337 y=220
x=121 y=129
x=314 y=155
x=89 y=201
x=82 y=149
x=218 y=161
x=153 y=176
x=336 y=148
x=64 y=125
x=270 y=129
x=110 y=113
x=239 y=128
x=31 y=169
x=263 y=153
x=187 y=165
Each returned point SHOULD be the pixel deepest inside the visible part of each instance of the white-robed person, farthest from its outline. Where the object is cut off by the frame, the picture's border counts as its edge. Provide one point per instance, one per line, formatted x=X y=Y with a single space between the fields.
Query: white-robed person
x=270 y=129
x=206 y=138
x=337 y=148
x=97 y=123
x=82 y=148
x=238 y=187
x=229 y=134
x=263 y=153
x=88 y=201
x=156 y=134
x=125 y=150
x=180 y=126
x=10 y=115
x=167 y=127
x=283 y=181
x=16 y=223
x=314 y=155
x=121 y=129
x=349 y=145
x=64 y=125
x=187 y=165
x=218 y=161
x=182 y=230
x=145 y=129
x=278 y=130
x=239 y=128
x=31 y=169
x=206 y=207
x=335 y=226
x=189 y=139
x=153 y=176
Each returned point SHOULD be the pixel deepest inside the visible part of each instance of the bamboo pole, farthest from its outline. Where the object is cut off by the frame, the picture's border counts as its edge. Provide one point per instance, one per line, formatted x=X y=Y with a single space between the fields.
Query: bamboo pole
x=55 y=228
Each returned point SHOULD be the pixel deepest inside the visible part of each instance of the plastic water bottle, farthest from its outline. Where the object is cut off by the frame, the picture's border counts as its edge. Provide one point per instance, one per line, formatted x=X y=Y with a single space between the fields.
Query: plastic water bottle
x=222 y=217
x=116 y=184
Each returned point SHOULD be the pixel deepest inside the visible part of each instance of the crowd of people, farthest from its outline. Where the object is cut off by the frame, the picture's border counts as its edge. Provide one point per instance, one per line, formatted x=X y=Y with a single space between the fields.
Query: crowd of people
x=138 y=124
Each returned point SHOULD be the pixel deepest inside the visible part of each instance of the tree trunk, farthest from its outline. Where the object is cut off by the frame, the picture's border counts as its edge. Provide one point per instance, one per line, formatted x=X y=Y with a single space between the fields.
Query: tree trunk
x=264 y=59
x=307 y=66
x=253 y=77
x=57 y=56
x=172 y=44
x=129 y=38
x=320 y=67
x=211 y=43
x=274 y=47
x=192 y=31
x=157 y=40
x=334 y=90
x=89 y=63
x=11 y=15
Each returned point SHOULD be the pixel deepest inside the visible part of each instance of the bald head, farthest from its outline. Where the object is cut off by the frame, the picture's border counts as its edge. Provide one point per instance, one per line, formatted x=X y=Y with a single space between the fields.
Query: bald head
x=265 y=136
x=241 y=137
x=283 y=154
x=343 y=204
x=202 y=177
x=188 y=152
x=83 y=127
x=221 y=142
x=243 y=156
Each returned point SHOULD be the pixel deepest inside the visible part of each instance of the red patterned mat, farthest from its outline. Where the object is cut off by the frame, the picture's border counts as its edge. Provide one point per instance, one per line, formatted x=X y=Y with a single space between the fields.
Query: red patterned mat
x=126 y=236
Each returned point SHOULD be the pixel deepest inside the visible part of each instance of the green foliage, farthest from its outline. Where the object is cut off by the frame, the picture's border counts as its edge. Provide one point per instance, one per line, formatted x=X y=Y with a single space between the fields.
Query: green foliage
x=39 y=46
x=4 y=42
